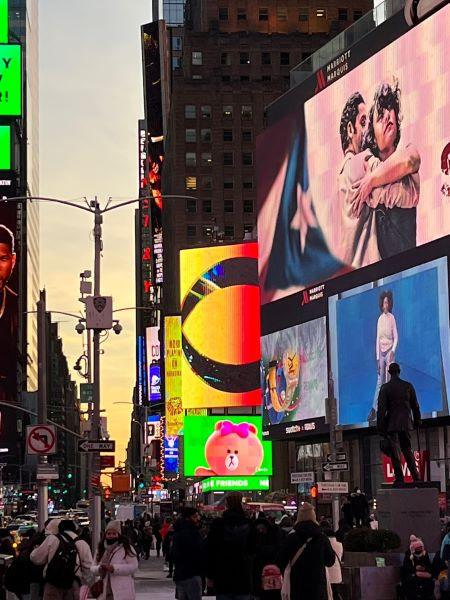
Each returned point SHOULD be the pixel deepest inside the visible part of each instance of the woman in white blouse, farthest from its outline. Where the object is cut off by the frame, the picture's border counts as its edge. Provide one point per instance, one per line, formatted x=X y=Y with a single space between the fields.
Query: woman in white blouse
x=385 y=345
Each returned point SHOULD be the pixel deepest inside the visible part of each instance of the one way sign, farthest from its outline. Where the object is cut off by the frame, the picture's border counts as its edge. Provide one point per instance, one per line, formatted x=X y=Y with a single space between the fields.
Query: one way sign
x=336 y=466
x=96 y=445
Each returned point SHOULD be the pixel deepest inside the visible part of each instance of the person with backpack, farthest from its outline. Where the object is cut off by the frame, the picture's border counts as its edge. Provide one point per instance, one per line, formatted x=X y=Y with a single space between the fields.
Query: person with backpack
x=230 y=552
x=67 y=561
x=115 y=563
x=267 y=574
x=187 y=554
x=305 y=554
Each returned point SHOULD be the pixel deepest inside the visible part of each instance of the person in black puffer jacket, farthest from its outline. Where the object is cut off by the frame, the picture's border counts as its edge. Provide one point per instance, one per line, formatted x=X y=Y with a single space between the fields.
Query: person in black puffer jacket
x=231 y=548
x=308 y=574
x=187 y=552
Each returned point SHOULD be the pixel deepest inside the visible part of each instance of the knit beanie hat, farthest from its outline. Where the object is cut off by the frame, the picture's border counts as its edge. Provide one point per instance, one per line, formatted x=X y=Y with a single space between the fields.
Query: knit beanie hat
x=306 y=513
x=415 y=543
x=114 y=526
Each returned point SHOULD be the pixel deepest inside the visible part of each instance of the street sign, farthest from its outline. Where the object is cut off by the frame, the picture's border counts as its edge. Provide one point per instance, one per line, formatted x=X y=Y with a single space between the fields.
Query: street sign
x=41 y=439
x=335 y=466
x=338 y=457
x=96 y=445
x=107 y=462
x=47 y=471
x=95 y=479
x=86 y=392
x=307 y=477
x=332 y=487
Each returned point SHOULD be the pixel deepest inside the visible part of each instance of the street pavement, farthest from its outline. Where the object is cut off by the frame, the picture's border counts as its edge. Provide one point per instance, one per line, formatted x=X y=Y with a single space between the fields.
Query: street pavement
x=151 y=580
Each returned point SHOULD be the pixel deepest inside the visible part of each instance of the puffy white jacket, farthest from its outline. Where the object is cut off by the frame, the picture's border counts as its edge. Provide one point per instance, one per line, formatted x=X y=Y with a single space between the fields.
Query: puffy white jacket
x=122 y=583
x=44 y=553
x=334 y=573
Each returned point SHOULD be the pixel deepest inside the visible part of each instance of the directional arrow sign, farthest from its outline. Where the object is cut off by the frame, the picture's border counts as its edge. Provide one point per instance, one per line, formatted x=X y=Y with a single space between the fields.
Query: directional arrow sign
x=96 y=445
x=336 y=466
x=338 y=457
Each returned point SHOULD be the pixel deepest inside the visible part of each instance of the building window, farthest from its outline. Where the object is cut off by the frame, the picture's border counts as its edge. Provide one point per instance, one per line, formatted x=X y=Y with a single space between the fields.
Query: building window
x=247 y=159
x=284 y=58
x=228 y=231
x=263 y=14
x=191 y=205
x=266 y=78
x=228 y=159
x=282 y=13
x=205 y=135
x=177 y=42
x=196 y=76
x=191 y=231
x=342 y=14
x=176 y=62
x=244 y=78
x=321 y=13
x=248 y=231
x=206 y=182
x=228 y=183
x=227 y=135
x=228 y=205
x=241 y=14
x=244 y=58
x=265 y=58
x=197 y=58
x=207 y=231
x=247 y=183
x=205 y=111
x=225 y=78
x=191 y=135
x=191 y=159
x=227 y=111
x=246 y=135
x=223 y=13
x=191 y=182
x=190 y=111
x=248 y=206
x=246 y=111
x=357 y=14
x=206 y=159
x=207 y=206
x=303 y=14
x=225 y=59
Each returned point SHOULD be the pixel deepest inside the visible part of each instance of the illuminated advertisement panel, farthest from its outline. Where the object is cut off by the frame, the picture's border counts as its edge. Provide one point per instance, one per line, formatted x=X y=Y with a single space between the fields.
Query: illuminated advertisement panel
x=221 y=446
x=171 y=453
x=9 y=286
x=219 y=484
x=220 y=326
x=294 y=379
x=10 y=80
x=399 y=318
x=360 y=172
x=153 y=363
x=172 y=364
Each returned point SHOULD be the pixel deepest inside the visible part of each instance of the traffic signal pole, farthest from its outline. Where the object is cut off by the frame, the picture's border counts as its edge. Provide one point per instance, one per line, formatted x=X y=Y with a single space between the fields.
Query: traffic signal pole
x=42 y=401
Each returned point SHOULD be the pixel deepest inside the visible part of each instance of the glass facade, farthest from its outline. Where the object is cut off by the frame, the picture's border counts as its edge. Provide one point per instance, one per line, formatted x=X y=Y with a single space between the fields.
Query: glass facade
x=173 y=12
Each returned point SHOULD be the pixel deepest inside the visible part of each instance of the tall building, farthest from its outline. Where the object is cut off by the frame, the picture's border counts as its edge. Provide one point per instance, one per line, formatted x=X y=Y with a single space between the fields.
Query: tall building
x=236 y=60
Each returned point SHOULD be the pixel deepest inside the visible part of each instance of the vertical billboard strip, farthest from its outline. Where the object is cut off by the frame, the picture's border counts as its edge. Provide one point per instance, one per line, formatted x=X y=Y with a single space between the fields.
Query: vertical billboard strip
x=172 y=366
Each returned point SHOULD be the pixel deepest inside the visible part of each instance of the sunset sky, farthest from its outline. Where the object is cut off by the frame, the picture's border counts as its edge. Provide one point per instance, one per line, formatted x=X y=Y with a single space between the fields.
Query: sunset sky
x=90 y=101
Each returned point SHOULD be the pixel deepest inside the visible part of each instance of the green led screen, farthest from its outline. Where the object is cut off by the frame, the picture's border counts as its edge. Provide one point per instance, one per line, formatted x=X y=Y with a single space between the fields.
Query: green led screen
x=215 y=484
x=4 y=21
x=5 y=147
x=10 y=80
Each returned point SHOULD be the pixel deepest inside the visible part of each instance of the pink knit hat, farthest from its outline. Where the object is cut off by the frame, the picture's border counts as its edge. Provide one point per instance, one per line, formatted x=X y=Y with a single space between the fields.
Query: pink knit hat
x=415 y=543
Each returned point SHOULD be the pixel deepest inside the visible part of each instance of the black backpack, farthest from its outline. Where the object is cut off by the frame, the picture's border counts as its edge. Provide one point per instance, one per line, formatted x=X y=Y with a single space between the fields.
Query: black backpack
x=61 y=570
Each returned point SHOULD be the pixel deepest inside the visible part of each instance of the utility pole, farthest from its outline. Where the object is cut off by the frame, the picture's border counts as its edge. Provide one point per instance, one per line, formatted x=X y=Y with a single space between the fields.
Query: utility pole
x=42 y=401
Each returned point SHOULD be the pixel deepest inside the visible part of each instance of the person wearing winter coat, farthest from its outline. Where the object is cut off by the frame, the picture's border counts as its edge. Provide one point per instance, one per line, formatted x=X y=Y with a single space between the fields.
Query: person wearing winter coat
x=308 y=579
x=334 y=573
x=416 y=575
x=43 y=554
x=187 y=552
x=115 y=562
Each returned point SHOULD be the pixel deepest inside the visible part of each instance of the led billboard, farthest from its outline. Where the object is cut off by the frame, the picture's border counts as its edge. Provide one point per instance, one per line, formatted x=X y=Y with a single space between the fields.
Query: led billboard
x=220 y=326
x=294 y=378
x=229 y=484
x=9 y=285
x=359 y=172
x=172 y=365
x=221 y=446
x=399 y=318
x=10 y=80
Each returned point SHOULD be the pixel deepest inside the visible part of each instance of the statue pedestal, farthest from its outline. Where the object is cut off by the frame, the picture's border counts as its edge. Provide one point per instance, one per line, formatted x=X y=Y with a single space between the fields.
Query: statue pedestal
x=411 y=510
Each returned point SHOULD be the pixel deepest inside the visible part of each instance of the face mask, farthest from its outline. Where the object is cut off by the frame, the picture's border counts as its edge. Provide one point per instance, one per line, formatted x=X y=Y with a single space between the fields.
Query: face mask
x=418 y=552
x=111 y=541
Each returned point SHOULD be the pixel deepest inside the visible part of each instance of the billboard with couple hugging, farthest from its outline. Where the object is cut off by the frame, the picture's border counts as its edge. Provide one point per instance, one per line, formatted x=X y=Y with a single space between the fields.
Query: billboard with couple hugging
x=359 y=172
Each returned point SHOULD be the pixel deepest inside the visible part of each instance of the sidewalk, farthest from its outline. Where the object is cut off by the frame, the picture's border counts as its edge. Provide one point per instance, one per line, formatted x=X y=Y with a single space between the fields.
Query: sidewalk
x=153 y=568
x=151 y=580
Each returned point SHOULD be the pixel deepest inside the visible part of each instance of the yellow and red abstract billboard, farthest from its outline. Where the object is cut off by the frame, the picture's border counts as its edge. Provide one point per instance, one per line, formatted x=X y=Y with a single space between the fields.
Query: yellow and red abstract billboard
x=220 y=326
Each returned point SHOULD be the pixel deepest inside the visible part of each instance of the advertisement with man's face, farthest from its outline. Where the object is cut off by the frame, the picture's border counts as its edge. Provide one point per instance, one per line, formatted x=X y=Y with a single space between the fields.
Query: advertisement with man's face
x=8 y=301
x=359 y=172
x=401 y=318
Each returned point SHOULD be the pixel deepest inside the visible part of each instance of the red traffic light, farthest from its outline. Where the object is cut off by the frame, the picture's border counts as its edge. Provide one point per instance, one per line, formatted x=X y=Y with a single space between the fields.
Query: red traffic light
x=107 y=493
x=314 y=491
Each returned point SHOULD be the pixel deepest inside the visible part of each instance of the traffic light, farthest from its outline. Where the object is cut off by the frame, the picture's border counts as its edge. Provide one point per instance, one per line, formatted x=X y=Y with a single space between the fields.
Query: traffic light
x=107 y=493
x=69 y=475
x=141 y=481
x=314 y=491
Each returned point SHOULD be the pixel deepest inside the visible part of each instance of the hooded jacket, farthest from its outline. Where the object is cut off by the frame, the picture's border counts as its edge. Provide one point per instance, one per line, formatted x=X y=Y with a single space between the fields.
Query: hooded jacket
x=231 y=546
x=187 y=550
x=308 y=575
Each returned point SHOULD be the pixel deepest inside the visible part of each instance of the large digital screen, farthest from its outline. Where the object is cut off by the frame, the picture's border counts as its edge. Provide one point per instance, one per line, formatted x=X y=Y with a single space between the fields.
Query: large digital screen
x=172 y=365
x=359 y=172
x=220 y=326
x=9 y=287
x=401 y=318
x=294 y=378
x=229 y=484
x=226 y=445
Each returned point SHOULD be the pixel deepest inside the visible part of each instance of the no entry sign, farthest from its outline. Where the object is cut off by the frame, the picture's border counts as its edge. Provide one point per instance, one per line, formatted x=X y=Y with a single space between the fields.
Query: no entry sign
x=41 y=439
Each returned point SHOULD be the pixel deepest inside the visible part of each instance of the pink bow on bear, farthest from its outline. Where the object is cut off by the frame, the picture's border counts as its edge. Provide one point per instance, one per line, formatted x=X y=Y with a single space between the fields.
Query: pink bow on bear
x=242 y=429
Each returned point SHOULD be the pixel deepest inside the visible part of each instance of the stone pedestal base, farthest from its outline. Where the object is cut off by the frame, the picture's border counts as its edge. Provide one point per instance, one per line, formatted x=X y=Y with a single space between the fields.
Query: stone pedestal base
x=411 y=510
